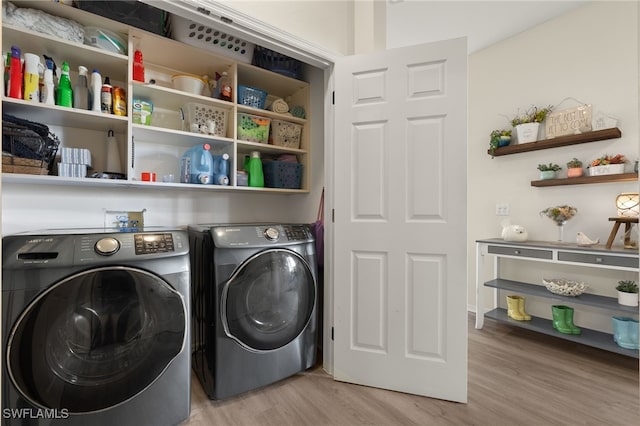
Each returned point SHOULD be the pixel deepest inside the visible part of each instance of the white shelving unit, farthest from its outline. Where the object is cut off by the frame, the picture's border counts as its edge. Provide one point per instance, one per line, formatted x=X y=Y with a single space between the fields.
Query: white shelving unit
x=157 y=147
x=559 y=253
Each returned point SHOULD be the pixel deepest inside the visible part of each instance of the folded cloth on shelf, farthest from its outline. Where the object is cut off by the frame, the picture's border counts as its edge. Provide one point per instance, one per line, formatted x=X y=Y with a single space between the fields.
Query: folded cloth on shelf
x=280 y=106
x=298 y=111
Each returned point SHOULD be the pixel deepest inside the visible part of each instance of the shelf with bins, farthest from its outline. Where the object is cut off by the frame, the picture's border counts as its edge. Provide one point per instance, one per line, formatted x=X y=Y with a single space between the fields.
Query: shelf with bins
x=594 y=136
x=159 y=146
x=560 y=253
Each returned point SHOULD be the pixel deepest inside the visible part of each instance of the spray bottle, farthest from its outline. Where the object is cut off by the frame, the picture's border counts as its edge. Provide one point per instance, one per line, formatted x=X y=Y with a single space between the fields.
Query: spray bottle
x=81 y=91
x=64 y=96
x=48 y=89
x=31 y=78
x=94 y=90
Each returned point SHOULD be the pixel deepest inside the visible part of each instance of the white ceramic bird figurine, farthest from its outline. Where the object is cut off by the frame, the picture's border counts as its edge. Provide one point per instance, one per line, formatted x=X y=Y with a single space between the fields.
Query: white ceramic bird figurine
x=584 y=241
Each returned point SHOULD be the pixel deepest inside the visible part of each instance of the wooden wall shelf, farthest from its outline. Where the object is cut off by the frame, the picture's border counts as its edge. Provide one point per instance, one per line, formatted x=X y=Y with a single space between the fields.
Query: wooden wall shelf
x=559 y=141
x=620 y=177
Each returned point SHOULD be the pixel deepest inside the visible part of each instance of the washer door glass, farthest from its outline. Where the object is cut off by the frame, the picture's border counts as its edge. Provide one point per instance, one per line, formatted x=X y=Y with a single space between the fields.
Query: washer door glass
x=269 y=300
x=96 y=339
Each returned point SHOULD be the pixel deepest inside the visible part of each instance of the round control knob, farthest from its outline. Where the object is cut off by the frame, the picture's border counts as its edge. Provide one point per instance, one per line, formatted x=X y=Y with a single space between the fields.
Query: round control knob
x=271 y=234
x=107 y=246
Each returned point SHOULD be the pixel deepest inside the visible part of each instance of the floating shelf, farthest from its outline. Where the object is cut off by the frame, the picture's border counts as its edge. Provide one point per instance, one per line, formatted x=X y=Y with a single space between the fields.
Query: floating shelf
x=559 y=141
x=620 y=177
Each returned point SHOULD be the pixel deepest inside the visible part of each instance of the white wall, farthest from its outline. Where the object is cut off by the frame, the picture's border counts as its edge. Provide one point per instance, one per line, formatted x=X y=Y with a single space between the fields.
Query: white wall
x=580 y=54
x=327 y=23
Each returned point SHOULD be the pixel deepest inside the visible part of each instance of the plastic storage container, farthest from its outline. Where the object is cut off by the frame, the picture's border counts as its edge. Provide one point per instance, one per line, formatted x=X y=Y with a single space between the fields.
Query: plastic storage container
x=253 y=128
x=282 y=174
x=285 y=134
x=251 y=96
x=197 y=115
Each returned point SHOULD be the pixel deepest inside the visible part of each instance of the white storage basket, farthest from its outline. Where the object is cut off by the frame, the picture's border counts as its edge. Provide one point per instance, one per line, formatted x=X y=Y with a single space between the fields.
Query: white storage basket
x=197 y=115
x=205 y=37
x=286 y=134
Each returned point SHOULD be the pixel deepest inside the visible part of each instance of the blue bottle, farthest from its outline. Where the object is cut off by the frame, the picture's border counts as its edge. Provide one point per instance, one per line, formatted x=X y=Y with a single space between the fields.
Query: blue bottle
x=221 y=169
x=196 y=165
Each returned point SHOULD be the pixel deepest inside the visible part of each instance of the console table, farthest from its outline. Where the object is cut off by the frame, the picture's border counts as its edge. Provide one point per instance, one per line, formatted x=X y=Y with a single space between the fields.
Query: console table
x=559 y=253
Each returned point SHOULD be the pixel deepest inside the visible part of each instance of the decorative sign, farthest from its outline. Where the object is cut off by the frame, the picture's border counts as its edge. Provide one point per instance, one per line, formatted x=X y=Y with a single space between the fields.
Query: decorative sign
x=603 y=121
x=569 y=121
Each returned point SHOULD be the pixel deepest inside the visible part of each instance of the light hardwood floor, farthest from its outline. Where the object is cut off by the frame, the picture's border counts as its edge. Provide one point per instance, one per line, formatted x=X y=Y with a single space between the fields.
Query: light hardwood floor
x=516 y=377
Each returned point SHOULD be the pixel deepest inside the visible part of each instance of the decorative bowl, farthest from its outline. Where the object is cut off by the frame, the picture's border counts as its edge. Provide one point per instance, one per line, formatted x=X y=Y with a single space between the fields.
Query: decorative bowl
x=564 y=287
x=188 y=83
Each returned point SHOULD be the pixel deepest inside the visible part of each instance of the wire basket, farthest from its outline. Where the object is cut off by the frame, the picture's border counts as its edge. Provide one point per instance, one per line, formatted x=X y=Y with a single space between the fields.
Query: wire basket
x=251 y=96
x=27 y=147
x=285 y=134
x=196 y=116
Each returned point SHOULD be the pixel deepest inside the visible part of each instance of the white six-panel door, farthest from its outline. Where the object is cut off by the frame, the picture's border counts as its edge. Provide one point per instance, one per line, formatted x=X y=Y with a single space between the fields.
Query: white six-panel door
x=400 y=280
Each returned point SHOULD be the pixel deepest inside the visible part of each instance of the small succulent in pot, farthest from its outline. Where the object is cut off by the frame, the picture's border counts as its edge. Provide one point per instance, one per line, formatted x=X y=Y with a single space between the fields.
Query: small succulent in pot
x=548 y=171
x=499 y=138
x=549 y=167
x=533 y=115
x=574 y=168
x=627 y=286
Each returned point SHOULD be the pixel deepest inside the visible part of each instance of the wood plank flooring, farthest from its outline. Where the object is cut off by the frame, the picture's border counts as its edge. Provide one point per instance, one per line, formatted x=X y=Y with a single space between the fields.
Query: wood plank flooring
x=516 y=377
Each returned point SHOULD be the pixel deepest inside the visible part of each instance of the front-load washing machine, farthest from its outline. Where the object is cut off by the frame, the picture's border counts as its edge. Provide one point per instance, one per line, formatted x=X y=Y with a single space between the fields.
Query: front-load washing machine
x=254 y=295
x=95 y=328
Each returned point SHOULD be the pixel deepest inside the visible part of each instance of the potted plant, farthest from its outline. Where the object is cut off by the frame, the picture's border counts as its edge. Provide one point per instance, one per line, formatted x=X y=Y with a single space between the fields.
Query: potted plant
x=627 y=293
x=607 y=165
x=499 y=138
x=548 y=171
x=528 y=122
x=574 y=168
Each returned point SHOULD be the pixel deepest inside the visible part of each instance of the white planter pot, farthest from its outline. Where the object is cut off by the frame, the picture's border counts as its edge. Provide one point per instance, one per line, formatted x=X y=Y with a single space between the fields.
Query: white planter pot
x=609 y=169
x=627 y=299
x=527 y=132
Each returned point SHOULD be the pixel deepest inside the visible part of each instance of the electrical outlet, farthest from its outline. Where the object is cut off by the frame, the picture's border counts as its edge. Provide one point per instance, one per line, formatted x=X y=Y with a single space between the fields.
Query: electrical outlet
x=502 y=209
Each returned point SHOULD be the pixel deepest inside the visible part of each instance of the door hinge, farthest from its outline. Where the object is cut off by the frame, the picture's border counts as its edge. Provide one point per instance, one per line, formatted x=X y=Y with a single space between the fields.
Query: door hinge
x=333 y=98
x=333 y=216
x=331 y=333
x=204 y=11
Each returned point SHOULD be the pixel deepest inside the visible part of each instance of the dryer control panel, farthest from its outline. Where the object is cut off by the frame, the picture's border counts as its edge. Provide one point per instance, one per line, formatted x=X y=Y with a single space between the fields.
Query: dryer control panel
x=266 y=235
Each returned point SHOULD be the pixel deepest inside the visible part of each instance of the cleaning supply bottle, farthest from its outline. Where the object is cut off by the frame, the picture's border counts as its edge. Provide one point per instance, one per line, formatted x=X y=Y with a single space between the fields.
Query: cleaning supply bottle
x=138 y=67
x=7 y=73
x=196 y=165
x=48 y=89
x=225 y=87
x=106 y=96
x=64 y=95
x=15 y=73
x=81 y=91
x=256 y=176
x=31 y=88
x=221 y=169
x=94 y=90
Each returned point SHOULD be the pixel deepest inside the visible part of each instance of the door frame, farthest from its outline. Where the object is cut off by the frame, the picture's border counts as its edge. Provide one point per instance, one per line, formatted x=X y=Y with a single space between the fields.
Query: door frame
x=238 y=24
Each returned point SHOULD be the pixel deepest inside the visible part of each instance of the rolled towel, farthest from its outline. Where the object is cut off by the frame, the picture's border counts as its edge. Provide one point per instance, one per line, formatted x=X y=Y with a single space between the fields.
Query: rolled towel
x=280 y=106
x=298 y=111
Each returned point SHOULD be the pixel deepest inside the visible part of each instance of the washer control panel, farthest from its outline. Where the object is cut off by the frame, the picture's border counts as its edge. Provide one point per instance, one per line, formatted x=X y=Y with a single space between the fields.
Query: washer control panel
x=153 y=243
x=297 y=232
x=107 y=246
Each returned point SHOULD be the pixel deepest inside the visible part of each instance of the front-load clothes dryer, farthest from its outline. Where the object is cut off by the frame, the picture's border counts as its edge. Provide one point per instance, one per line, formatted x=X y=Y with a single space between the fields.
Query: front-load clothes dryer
x=95 y=328
x=254 y=295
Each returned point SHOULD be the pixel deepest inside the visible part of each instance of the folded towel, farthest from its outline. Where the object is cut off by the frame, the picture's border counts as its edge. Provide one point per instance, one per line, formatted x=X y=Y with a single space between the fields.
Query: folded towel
x=280 y=106
x=298 y=111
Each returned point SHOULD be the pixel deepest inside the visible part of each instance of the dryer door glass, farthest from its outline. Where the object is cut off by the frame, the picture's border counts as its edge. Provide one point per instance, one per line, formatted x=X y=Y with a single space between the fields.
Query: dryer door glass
x=269 y=300
x=96 y=339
